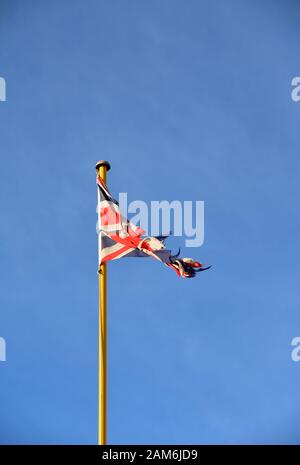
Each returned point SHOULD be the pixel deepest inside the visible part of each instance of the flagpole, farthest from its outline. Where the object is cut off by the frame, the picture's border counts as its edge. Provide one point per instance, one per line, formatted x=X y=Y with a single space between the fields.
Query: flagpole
x=102 y=167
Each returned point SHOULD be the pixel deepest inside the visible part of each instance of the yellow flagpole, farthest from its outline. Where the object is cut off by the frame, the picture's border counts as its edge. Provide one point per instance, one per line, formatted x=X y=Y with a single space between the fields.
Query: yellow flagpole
x=102 y=167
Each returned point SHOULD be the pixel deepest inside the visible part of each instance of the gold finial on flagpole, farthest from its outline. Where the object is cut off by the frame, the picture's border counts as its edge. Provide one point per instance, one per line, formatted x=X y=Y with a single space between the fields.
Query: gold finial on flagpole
x=102 y=167
x=102 y=164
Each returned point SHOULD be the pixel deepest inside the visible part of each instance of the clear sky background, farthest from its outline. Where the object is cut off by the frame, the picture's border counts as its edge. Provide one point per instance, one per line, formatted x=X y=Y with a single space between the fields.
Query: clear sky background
x=188 y=100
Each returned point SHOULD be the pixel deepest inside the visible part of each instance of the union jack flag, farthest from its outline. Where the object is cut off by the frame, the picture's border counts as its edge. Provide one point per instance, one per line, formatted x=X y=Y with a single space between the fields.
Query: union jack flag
x=119 y=238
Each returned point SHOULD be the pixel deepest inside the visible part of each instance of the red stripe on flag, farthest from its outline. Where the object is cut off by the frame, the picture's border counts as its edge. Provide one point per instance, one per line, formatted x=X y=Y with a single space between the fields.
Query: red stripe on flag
x=115 y=254
x=109 y=216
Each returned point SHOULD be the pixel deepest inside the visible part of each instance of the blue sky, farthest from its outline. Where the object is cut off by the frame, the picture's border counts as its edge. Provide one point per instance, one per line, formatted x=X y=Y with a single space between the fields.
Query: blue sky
x=189 y=101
